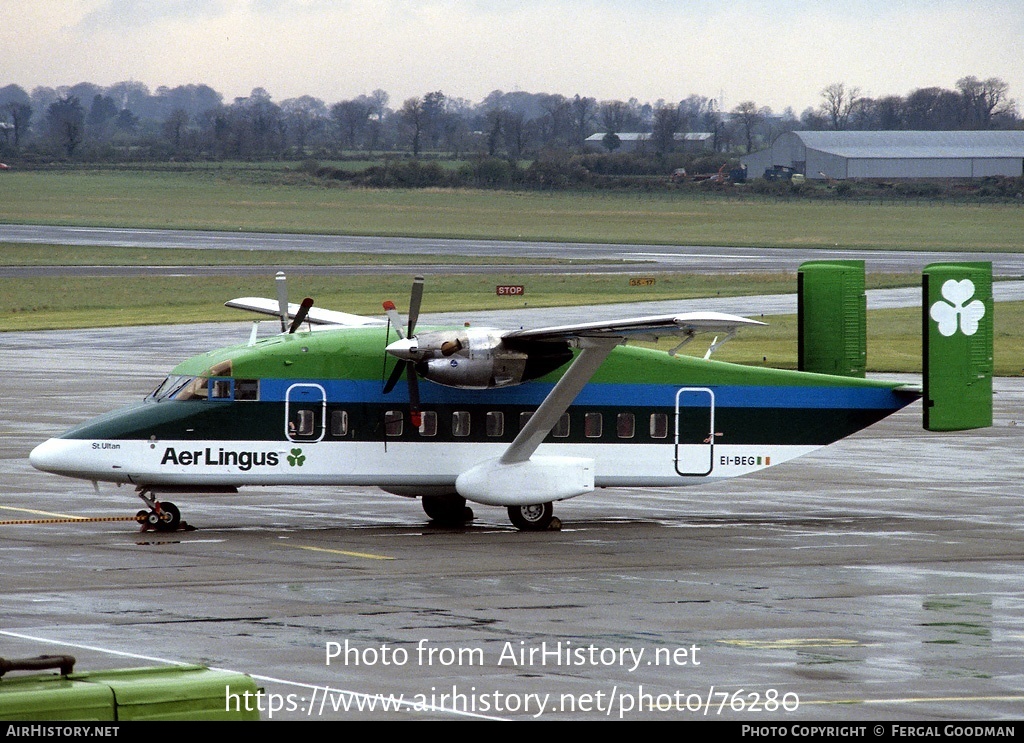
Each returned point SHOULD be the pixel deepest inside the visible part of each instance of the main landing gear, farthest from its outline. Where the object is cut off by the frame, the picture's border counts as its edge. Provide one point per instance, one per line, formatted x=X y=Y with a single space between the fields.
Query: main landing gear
x=537 y=517
x=447 y=510
x=161 y=516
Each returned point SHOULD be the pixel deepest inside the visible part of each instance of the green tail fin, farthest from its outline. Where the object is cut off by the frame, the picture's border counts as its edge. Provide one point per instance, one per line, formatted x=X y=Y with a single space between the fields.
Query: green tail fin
x=832 y=318
x=957 y=340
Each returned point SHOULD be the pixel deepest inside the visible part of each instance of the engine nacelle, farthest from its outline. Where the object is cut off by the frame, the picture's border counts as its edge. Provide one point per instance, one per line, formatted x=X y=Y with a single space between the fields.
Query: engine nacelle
x=478 y=358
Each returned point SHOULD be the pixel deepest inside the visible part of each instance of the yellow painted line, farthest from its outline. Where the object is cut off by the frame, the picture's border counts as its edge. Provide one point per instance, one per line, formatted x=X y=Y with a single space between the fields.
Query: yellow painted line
x=366 y=555
x=795 y=643
x=44 y=513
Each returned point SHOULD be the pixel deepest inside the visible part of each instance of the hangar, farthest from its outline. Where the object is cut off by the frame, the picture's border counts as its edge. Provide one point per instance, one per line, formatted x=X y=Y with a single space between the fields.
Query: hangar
x=694 y=142
x=897 y=154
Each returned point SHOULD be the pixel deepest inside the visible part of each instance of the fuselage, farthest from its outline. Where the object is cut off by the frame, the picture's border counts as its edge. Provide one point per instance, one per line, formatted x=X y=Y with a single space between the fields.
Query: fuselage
x=308 y=409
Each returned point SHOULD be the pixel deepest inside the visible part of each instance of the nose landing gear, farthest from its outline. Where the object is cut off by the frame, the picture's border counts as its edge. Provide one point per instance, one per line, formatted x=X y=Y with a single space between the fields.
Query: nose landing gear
x=161 y=516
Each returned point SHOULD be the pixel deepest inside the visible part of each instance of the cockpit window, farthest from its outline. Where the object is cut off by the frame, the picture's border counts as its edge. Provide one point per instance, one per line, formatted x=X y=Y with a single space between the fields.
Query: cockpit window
x=171 y=387
x=180 y=388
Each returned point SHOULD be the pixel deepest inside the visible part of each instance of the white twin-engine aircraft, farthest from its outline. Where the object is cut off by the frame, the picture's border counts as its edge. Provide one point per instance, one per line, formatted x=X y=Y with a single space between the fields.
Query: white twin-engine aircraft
x=517 y=418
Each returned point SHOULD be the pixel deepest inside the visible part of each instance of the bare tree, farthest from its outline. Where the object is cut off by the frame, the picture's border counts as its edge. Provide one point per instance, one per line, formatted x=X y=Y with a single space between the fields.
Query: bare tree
x=583 y=112
x=666 y=124
x=305 y=116
x=983 y=100
x=412 y=115
x=838 y=104
x=749 y=117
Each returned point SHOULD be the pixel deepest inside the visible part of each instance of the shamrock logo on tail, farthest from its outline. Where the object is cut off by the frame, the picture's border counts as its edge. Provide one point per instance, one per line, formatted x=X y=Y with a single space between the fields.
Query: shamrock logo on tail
x=956 y=311
x=296 y=458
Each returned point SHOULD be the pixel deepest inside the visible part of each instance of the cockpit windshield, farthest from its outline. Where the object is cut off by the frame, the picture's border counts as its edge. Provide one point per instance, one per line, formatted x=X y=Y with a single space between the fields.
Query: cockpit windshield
x=180 y=388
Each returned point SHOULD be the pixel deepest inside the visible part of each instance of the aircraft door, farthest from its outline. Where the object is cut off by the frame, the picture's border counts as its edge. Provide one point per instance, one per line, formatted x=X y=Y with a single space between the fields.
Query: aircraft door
x=305 y=413
x=695 y=431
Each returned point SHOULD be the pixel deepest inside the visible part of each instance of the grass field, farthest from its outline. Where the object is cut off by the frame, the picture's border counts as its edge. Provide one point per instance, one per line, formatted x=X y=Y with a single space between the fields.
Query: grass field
x=256 y=199
x=226 y=199
x=66 y=302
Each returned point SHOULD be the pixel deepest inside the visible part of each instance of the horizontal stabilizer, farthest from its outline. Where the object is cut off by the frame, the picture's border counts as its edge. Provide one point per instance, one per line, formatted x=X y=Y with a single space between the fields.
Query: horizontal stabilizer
x=957 y=346
x=316 y=316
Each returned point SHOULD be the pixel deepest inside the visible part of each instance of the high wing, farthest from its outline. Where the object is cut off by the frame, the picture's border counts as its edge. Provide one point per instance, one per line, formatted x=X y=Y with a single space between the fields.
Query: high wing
x=316 y=315
x=517 y=477
x=640 y=328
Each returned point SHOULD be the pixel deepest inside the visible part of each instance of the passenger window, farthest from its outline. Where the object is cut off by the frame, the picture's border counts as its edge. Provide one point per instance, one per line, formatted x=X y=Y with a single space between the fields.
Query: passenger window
x=495 y=423
x=305 y=422
x=592 y=425
x=659 y=425
x=561 y=429
x=625 y=425
x=247 y=389
x=339 y=423
x=393 y=422
x=460 y=423
x=524 y=418
x=428 y=423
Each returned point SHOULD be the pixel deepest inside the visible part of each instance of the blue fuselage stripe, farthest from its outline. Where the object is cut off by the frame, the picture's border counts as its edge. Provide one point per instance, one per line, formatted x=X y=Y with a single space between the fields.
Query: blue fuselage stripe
x=624 y=395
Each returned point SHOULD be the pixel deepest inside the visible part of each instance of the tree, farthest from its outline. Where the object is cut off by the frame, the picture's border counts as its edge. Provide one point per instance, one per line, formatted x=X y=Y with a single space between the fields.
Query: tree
x=613 y=116
x=749 y=117
x=984 y=100
x=304 y=117
x=351 y=118
x=102 y=112
x=174 y=127
x=583 y=112
x=555 y=120
x=412 y=115
x=666 y=124
x=838 y=104
x=611 y=141
x=65 y=123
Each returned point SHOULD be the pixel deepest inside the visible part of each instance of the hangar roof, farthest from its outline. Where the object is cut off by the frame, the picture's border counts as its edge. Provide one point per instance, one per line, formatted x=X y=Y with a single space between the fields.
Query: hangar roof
x=916 y=144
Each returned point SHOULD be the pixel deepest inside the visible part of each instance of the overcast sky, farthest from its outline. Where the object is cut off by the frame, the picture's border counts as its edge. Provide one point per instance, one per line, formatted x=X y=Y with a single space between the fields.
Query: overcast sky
x=780 y=53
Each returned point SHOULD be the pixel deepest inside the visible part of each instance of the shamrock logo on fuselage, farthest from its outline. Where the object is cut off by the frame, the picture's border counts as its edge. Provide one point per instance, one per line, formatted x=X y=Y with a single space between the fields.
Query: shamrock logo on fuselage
x=957 y=311
x=296 y=458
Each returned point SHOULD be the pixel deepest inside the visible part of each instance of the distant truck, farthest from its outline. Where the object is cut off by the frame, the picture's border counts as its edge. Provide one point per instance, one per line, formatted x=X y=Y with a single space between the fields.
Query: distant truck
x=782 y=173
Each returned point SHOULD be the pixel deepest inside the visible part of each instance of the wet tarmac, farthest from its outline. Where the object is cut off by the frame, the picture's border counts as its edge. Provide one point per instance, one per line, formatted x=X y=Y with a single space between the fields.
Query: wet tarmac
x=878 y=579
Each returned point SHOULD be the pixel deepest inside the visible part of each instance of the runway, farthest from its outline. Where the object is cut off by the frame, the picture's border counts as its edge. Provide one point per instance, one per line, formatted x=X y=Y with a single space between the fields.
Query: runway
x=660 y=257
x=878 y=579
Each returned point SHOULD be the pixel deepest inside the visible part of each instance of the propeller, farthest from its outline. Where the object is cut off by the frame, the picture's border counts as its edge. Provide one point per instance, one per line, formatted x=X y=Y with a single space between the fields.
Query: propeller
x=407 y=342
x=300 y=316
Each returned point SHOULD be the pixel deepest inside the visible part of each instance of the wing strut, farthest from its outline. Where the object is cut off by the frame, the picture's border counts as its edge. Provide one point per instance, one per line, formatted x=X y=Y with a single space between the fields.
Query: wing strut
x=593 y=352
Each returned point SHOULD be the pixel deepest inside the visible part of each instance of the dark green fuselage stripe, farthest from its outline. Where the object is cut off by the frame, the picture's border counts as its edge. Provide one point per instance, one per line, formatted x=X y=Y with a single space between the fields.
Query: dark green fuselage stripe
x=265 y=421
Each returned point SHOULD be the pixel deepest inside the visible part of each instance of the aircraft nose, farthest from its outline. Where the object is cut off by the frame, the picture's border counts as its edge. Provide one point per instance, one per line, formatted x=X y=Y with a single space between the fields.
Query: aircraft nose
x=49 y=456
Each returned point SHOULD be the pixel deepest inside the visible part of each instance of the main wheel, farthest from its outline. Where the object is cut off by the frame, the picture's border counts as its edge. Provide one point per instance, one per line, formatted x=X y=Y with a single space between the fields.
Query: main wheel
x=447 y=510
x=535 y=517
x=171 y=517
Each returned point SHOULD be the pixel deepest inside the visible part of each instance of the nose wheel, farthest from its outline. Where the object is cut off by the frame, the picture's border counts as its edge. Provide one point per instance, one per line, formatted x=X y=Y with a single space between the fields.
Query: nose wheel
x=161 y=516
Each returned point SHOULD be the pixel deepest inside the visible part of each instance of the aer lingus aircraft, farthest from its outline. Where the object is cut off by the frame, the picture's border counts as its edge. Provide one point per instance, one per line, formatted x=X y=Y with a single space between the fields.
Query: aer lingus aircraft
x=522 y=418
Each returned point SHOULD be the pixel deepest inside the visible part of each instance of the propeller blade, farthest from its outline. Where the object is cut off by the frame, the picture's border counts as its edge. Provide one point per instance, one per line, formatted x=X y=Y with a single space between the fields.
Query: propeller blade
x=282 y=299
x=393 y=317
x=414 y=304
x=300 y=316
x=396 y=374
